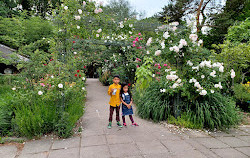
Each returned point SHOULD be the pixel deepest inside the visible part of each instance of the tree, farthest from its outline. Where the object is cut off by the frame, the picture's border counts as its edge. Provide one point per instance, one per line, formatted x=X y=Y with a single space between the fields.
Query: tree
x=175 y=10
x=120 y=9
x=6 y=8
x=234 y=10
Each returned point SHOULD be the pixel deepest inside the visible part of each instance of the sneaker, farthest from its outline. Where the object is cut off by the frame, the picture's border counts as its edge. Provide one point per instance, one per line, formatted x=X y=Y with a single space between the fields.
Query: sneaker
x=119 y=125
x=109 y=125
x=135 y=124
x=124 y=124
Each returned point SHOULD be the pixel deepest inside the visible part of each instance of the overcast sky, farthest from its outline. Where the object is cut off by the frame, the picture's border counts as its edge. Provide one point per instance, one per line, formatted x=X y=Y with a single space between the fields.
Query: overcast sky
x=149 y=6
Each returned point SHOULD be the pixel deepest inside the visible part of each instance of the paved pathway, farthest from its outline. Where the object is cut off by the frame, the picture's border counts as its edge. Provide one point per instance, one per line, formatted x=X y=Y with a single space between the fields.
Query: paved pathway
x=149 y=140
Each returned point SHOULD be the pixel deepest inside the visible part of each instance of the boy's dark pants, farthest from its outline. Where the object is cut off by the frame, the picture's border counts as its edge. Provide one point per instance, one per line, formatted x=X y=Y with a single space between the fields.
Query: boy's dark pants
x=111 y=111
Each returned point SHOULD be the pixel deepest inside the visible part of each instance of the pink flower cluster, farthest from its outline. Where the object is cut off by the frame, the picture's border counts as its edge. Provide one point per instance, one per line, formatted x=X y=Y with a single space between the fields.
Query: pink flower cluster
x=137 y=39
x=159 y=66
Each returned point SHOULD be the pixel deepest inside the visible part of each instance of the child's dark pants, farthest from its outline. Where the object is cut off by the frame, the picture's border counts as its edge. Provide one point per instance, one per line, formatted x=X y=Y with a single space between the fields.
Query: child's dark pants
x=111 y=110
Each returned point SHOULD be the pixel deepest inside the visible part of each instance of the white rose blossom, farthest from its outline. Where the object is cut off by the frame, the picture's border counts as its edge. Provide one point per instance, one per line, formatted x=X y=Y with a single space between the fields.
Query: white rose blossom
x=99 y=31
x=218 y=85
x=232 y=73
x=40 y=93
x=203 y=92
x=190 y=63
x=77 y=17
x=66 y=7
x=149 y=41
x=79 y=11
x=166 y=35
x=78 y=27
x=213 y=73
x=158 y=52
x=162 y=90
x=221 y=69
x=193 y=37
x=14 y=88
x=212 y=91
x=60 y=85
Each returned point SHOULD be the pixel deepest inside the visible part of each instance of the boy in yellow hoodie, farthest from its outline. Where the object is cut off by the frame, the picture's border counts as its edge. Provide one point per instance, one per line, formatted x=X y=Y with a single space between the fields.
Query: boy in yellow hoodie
x=115 y=101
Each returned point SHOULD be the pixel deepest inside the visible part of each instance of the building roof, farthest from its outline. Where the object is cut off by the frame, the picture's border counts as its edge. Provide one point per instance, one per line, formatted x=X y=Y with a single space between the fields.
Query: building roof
x=7 y=51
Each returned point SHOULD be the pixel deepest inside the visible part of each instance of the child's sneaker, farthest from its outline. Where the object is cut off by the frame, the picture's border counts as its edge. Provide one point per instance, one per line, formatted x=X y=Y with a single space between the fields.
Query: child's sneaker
x=119 y=125
x=135 y=124
x=124 y=124
x=109 y=125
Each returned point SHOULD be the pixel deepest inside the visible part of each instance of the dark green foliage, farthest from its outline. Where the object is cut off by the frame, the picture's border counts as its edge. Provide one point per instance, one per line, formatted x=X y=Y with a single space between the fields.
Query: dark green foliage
x=19 y=31
x=5 y=109
x=175 y=10
x=212 y=111
x=234 y=10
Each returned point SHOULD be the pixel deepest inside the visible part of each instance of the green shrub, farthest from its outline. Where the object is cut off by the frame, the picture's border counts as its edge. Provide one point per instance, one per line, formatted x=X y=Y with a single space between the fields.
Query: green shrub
x=211 y=111
x=5 y=110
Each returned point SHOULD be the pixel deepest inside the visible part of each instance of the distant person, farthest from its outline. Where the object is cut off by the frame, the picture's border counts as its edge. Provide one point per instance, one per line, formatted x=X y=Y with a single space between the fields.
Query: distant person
x=114 y=92
x=126 y=99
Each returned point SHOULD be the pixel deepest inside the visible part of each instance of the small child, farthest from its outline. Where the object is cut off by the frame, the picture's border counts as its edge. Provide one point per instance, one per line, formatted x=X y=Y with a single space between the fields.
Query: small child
x=114 y=92
x=126 y=99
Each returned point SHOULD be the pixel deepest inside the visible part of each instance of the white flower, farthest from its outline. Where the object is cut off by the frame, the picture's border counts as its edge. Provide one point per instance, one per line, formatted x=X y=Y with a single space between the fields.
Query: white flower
x=166 y=35
x=83 y=3
x=52 y=76
x=83 y=78
x=153 y=75
x=172 y=77
x=162 y=90
x=172 y=72
x=158 y=52
x=202 y=76
x=167 y=70
x=197 y=85
x=83 y=88
x=203 y=92
x=200 y=41
x=174 y=28
x=75 y=53
x=99 y=31
x=78 y=27
x=212 y=91
x=96 y=11
x=79 y=11
x=97 y=35
x=149 y=41
x=193 y=37
x=77 y=17
x=148 y=52
x=192 y=80
x=218 y=85
x=217 y=64
x=232 y=73
x=175 y=85
x=130 y=25
x=221 y=69
x=14 y=88
x=130 y=32
x=182 y=42
x=195 y=68
x=179 y=80
x=176 y=49
x=163 y=45
x=40 y=92
x=213 y=73
x=60 y=85
x=66 y=7
x=190 y=63
x=176 y=23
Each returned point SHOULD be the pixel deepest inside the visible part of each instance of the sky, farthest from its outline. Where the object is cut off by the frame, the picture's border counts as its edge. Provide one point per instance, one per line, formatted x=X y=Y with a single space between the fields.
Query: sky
x=149 y=6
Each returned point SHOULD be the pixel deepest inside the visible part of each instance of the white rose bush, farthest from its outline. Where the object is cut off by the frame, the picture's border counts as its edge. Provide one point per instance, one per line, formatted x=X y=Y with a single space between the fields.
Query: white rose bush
x=190 y=86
